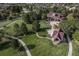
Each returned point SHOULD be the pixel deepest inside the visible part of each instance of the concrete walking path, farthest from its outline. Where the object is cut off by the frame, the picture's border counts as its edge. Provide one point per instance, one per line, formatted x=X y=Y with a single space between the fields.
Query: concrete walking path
x=70 y=46
x=23 y=44
x=41 y=36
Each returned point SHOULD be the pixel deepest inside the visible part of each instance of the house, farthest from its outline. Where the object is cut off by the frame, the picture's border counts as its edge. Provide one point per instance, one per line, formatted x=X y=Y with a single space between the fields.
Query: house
x=58 y=35
x=55 y=16
x=55 y=32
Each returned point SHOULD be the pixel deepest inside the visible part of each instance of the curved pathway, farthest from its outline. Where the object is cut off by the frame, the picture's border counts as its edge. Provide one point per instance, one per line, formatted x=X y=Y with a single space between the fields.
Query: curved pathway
x=70 y=46
x=41 y=36
x=23 y=44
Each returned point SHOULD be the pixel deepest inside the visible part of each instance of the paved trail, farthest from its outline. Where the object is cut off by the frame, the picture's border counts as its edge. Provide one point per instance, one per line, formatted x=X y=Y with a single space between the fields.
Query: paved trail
x=69 y=41
x=41 y=36
x=70 y=46
x=23 y=44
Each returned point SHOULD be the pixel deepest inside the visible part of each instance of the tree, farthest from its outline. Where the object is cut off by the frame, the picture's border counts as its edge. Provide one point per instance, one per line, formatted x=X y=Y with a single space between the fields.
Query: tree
x=26 y=17
x=76 y=35
x=15 y=44
x=24 y=29
x=17 y=29
x=15 y=9
x=70 y=17
x=70 y=28
x=1 y=34
x=36 y=26
x=44 y=16
x=76 y=13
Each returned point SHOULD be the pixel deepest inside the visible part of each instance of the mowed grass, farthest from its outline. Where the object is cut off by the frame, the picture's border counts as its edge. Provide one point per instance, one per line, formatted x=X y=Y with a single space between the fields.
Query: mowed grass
x=3 y=23
x=75 y=48
x=11 y=52
x=43 y=24
x=10 y=27
x=7 y=52
x=39 y=47
x=44 y=47
x=43 y=34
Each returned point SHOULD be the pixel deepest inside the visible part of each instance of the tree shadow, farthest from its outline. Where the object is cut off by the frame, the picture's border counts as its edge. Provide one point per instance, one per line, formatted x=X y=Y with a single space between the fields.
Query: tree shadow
x=31 y=46
x=30 y=33
x=21 y=48
x=4 y=45
x=43 y=29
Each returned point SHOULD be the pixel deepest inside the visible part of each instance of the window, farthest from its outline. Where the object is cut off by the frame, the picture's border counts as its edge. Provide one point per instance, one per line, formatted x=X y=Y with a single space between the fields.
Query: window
x=56 y=14
x=60 y=16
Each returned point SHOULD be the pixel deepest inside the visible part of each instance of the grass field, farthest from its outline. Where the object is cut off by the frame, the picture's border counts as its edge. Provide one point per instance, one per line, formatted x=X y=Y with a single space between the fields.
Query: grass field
x=2 y=23
x=44 y=47
x=7 y=50
x=38 y=47
x=75 y=48
x=11 y=52
x=10 y=29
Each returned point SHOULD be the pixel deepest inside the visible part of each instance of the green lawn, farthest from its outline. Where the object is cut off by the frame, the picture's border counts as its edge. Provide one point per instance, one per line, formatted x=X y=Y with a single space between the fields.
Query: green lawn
x=38 y=47
x=43 y=33
x=43 y=24
x=44 y=47
x=9 y=51
x=2 y=23
x=75 y=48
x=10 y=29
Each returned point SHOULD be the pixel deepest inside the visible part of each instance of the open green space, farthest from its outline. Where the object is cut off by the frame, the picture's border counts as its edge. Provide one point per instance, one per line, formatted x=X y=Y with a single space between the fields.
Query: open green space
x=3 y=23
x=39 y=47
x=8 y=50
x=11 y=52
x=10 y=27
x=75 y=48
x=44 y=47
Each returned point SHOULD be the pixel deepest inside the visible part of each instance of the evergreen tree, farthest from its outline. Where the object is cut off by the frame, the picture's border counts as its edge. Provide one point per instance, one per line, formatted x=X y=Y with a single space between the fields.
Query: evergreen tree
x=36 y=26
x=17 y=29
x=15 y=44
x=24 y=29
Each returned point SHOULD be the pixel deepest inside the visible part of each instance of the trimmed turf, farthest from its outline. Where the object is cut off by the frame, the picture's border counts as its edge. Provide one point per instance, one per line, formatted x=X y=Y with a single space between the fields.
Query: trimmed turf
x=3 y=23
x=38 y=47
x=11 y=52
x=43 y=24
x=43 y=33
x=75 y=48
x=10 y=27
x=44 y=47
